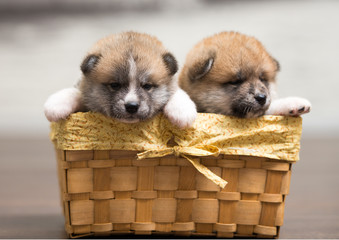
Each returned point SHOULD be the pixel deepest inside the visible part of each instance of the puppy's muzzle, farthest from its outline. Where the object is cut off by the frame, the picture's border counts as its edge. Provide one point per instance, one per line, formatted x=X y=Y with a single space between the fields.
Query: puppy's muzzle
x=132 y=107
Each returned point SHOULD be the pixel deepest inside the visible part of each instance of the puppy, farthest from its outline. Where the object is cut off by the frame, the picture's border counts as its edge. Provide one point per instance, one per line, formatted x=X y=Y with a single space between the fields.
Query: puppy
x=232 y=74
x=129 y=77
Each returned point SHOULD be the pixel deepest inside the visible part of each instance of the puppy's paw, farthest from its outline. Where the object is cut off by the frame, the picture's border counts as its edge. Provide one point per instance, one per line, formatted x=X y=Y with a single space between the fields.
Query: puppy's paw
x=291 y=106
x=181 y=110
x=61 y=104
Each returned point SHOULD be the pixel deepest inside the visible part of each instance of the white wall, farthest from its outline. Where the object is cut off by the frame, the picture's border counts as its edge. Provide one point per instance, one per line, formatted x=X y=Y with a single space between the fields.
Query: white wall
x=41 y=48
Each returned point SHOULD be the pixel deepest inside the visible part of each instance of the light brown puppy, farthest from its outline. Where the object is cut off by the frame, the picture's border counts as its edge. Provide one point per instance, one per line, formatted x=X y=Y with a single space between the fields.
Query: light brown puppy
x=232 y=74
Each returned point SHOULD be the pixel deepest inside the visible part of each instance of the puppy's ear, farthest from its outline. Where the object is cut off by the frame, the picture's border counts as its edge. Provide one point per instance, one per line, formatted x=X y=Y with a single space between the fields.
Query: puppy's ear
x=200 y=69
x=170 y=62
x=277 y=64
x=89 y=63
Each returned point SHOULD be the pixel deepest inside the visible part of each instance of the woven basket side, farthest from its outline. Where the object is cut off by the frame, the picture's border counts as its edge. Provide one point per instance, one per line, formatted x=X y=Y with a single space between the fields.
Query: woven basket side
x=107 y=192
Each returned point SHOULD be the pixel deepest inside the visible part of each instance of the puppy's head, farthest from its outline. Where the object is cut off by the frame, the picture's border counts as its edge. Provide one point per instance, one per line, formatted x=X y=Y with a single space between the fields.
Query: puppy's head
x=128 y=76
x=230 y=73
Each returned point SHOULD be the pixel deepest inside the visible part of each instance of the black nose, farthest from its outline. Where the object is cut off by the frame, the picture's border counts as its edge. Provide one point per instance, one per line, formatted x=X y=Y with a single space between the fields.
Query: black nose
x=261 y=99
x=132 y=107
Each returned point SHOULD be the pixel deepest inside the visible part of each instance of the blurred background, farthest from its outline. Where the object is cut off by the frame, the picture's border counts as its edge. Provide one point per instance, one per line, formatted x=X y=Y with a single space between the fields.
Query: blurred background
x=42 y=43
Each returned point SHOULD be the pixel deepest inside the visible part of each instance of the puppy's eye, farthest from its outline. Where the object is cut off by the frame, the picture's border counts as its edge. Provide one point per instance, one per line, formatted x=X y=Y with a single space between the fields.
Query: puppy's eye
x=115 y=86
x=262 y=79
x=238 y=79
x=236 y=82
x=147 y=86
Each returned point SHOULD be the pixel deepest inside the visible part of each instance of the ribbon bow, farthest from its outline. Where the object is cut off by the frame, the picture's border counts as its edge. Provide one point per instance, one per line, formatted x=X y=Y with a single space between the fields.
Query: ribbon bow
x=198 y=151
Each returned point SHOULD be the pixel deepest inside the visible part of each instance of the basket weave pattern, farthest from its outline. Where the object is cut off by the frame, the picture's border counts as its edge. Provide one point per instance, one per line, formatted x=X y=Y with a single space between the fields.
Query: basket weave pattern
x=108 y=192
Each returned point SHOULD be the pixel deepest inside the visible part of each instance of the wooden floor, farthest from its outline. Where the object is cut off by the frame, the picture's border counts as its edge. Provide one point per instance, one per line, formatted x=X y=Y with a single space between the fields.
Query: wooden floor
x=30 y=208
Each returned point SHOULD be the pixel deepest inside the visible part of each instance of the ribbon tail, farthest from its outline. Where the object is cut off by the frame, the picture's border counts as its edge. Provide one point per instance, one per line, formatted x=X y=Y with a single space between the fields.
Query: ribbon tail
x=182 y=152
x=206 y=172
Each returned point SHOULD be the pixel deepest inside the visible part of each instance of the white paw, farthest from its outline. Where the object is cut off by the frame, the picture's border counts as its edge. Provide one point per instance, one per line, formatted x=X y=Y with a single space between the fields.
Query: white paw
x=290 y=106
x=61 y=104
x=181 y=110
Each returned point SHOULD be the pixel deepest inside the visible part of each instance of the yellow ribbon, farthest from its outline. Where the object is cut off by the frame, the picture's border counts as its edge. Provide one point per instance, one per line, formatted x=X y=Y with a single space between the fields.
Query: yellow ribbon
x=198 y=151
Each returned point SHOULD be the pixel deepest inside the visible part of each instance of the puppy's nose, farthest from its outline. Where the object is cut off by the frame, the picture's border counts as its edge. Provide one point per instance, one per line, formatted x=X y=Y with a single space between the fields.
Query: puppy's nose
x=132 y=107
x=261 y=99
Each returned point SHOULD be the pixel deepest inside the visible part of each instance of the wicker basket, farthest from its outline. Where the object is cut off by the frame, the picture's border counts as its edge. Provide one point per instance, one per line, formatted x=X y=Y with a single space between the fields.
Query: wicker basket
x=106 y=190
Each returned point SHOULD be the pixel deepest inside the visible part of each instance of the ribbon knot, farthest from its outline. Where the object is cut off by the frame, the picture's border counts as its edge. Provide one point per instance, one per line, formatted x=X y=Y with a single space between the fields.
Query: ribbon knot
x=187 y=152
x=176 y=151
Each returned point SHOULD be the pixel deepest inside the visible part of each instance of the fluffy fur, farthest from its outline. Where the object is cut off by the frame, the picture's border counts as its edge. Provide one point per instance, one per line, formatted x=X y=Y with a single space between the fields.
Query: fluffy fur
x=232 y=74
x=62 y=103
x=180 y=105
x=129 y=77
x=293 y=106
